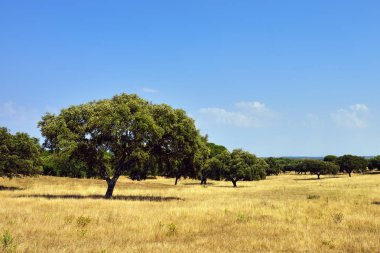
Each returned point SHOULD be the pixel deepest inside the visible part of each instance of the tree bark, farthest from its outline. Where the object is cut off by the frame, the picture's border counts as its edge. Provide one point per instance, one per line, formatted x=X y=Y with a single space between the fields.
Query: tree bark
x=234 y=182
x=112 y=183
x=349 y=173
x=111 y=186
x=318 y=176
x=176 y=181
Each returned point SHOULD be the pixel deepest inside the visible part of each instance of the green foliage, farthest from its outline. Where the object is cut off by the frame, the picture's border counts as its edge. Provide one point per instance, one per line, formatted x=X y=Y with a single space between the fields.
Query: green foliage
x=330 y=158
x=124 y=135
x=374 y=163
x=273 y=166
x=350 y=163
x=19 y=155
x=215 y=166
x=216 y=149
x=172 y=229
x=244 y=166
x=235 y=166
x=181 y=150
x=318 y=167
x=7 y=242
x=59 y=164
x=83 y=221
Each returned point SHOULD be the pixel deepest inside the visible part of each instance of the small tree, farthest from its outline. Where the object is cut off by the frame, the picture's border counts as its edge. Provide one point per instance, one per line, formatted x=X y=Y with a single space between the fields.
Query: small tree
x=244 y=166
x=19 y=155
x=212 y=166
x=215 y=167
x=319 y=168
x=181 y=150
x=350 y=163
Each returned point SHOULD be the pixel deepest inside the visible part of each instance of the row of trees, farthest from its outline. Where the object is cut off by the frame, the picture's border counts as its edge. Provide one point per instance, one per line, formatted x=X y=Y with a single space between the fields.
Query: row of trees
x=329 y=165
x=126 y=135
x=235 y=166
x=351 y=163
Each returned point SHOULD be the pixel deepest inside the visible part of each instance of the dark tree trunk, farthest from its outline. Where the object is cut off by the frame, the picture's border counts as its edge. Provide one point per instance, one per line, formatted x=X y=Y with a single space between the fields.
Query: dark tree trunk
x=349 y=173
x=111 y=186
x=318 y=176
x=176 y=180
x=204 y=180
x=234 y=182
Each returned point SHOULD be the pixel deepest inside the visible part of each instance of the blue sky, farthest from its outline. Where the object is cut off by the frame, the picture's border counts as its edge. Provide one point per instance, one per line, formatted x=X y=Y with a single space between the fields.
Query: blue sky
x=276 y=78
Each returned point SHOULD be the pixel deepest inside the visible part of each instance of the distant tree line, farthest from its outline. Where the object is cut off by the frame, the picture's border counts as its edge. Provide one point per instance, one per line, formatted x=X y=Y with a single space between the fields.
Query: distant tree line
x=126 y=135
x=328 y=165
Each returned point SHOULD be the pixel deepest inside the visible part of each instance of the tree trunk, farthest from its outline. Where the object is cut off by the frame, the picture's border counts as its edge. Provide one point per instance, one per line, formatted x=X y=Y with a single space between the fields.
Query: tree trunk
x=176 y=181
x=234 y=182
x=111 y=186
x=349 y=173
x=318 y=176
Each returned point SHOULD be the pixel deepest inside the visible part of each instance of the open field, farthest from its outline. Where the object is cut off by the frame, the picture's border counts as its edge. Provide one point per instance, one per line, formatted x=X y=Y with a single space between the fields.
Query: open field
x=286 y=213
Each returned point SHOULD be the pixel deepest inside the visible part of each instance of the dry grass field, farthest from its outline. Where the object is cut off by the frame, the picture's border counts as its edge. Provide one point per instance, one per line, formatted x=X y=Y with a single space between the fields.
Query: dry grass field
x=286 y=213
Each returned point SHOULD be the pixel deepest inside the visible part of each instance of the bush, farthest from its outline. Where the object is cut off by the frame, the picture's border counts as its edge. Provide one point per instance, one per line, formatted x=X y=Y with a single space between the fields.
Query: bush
x=7 y=242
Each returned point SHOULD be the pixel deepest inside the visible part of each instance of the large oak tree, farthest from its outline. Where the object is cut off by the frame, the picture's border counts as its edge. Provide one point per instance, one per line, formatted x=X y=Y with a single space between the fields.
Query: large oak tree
x=124 y=135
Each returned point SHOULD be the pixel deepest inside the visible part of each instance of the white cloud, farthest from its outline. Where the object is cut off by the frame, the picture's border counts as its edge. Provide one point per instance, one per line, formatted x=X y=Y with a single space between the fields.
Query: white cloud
x=255 y=106
x=248 y=114
x=149 y=90
x=356 y=116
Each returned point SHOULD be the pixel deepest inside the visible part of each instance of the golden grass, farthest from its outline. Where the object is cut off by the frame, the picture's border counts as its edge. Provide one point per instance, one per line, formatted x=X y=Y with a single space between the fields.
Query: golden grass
x=281 y=214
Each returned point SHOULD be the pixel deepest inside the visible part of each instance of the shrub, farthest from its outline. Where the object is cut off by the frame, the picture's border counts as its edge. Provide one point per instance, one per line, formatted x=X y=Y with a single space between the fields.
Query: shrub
x=83 y=221
x=338 y=218
x=7 y=242
x=172 y=229
x=313 y=197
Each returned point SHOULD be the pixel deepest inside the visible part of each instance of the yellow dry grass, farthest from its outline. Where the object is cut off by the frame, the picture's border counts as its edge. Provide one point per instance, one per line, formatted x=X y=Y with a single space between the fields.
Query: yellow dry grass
x=286 y=213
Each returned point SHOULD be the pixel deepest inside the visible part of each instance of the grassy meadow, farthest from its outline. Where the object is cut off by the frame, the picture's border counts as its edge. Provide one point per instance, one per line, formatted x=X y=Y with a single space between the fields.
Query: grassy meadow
x=286 y=213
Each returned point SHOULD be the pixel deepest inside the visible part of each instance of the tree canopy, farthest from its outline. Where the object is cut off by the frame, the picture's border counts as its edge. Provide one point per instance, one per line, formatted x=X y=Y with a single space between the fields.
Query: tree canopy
x=274 y=167
x=374 y=163
x=244 y=166
x=330 y=158
x=19 y=154
x=319 y=168
x=350 y=163
x=124 y=135
x=180 y=150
